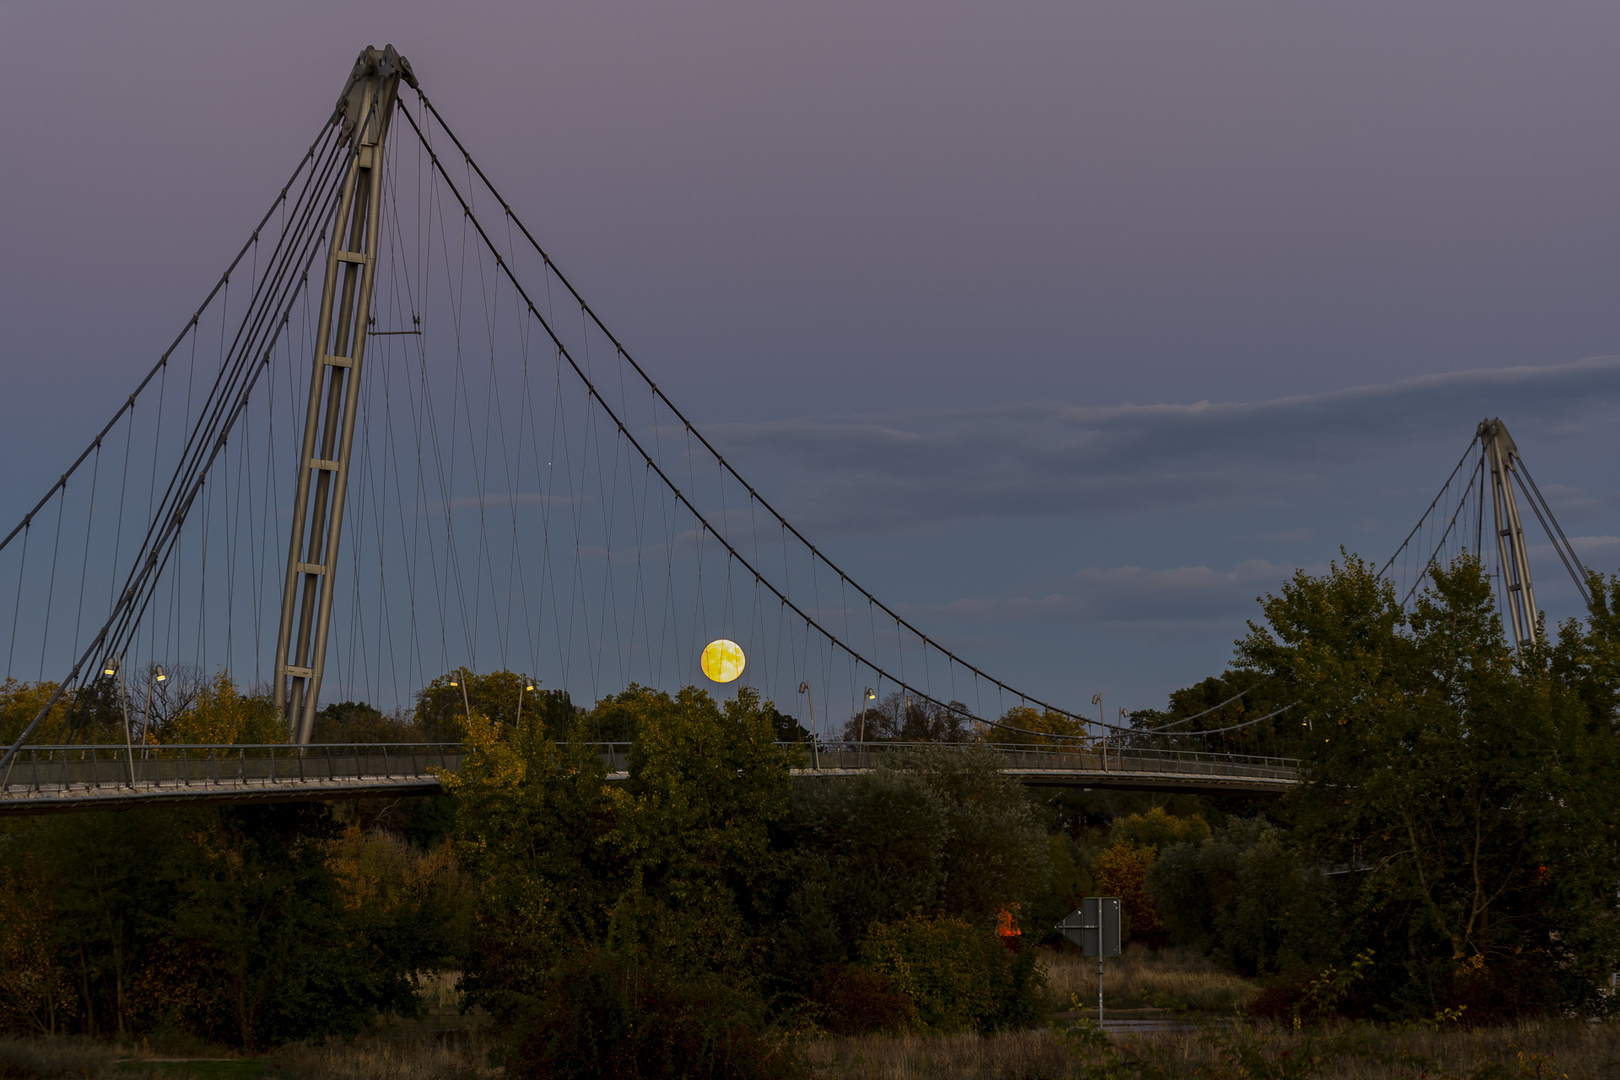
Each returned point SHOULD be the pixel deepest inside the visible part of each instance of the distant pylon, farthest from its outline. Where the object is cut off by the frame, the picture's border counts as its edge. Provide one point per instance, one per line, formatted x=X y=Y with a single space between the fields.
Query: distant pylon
x=1501 y=456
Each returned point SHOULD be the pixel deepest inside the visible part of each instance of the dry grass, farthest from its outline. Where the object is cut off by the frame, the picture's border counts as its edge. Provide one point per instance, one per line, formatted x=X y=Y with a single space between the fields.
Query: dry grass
x=1141 y=978
x=379 y=1058
x=56 y=1057
x=1574 y=1050
x=1020 y=1055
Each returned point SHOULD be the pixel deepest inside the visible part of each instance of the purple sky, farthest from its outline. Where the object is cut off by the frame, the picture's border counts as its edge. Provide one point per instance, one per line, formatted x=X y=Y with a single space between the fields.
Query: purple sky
x=939 y=247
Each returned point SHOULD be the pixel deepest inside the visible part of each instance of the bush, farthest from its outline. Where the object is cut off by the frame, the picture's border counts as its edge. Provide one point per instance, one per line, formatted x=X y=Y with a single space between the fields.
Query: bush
x=856 y=1001
x=610 y=1015
x=958 y=978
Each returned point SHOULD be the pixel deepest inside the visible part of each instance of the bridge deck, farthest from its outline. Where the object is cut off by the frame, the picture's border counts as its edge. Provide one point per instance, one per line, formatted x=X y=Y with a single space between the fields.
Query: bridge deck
x=53 y=779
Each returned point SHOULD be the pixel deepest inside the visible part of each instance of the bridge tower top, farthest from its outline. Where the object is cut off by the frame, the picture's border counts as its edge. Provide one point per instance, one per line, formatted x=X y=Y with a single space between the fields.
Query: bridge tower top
x=1502 y=457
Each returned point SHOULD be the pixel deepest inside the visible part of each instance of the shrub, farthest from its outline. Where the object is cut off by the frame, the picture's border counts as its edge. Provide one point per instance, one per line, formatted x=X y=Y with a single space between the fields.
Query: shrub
x=611 y=1015
x=958 y=978
x=856 y=1001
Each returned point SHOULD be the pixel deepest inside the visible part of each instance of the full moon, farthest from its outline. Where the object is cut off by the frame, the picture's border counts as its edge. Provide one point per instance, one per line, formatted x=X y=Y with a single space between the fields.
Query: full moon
x=723 y=660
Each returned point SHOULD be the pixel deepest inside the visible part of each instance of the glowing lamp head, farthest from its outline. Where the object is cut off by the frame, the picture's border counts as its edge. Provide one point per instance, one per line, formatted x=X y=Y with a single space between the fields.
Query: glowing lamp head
x=723 y=660
x=159 y=676
x=110 y=668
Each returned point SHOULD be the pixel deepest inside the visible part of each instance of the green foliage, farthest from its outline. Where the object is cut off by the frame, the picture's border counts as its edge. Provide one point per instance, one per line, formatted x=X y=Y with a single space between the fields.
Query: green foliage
x=647 y=890
x=1463 y=788
x=613 y=1015
x=957 y=976
x=905 y=871
x=1039 y=727
x=1068 y=880
x=1243 y=894
x=500 y=696
x=357 y=722
x=1215 y=704
x=1159 y=829
x=229 y=924
x=93 y=710
x=932 y=832
x=218 y=713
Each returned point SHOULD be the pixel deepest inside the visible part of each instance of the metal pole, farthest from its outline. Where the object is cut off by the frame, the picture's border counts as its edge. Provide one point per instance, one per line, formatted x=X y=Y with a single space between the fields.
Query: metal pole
x=1102 y=724
x=1099 y=981
x=123 y=702
x=815 y=751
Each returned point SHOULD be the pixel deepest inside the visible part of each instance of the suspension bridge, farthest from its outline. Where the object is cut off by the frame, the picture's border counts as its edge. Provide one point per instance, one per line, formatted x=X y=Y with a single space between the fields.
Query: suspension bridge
x=395 y=441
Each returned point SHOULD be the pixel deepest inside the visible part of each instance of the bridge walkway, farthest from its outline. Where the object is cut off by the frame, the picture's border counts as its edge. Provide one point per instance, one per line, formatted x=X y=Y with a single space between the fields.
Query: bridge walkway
x=47 y=779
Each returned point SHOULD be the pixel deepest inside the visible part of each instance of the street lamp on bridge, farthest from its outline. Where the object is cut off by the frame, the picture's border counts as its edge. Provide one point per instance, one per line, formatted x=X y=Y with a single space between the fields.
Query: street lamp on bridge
x=815 y=751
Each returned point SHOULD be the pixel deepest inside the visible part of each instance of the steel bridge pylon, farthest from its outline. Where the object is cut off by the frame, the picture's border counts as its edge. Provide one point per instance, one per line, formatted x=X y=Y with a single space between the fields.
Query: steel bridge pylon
x=364 y=109
x=1501 y=456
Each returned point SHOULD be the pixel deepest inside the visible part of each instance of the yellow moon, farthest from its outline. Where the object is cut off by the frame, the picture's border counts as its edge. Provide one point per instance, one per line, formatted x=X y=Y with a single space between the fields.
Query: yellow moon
x=723 y=660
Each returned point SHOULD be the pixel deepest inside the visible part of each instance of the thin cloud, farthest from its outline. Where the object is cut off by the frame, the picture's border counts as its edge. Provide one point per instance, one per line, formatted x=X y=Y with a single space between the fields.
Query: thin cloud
x=1038 y=459
x=1184 y=598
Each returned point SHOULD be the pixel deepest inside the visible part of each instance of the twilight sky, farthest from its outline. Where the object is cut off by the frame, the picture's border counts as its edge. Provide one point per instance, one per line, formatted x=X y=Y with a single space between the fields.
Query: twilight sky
x=1069 y=327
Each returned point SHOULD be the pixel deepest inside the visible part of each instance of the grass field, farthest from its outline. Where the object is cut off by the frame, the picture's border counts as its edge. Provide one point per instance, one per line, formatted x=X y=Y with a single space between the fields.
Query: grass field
x=1573 y=1050
x=445 y=1044
x=1545 y=1051
x=1141 y=979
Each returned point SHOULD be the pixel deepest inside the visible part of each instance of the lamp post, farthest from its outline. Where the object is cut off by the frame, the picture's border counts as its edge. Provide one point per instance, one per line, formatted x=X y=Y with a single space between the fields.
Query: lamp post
x=113 y=668
x=815 y=751
x=525 y=687
x=466 y=704
x=868 y=697
x=1102 y=724
x=155 y=675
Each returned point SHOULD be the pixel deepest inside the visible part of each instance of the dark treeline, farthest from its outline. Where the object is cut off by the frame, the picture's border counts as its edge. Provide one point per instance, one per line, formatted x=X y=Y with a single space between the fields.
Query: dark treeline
x=247 y=926
x=1451 y=853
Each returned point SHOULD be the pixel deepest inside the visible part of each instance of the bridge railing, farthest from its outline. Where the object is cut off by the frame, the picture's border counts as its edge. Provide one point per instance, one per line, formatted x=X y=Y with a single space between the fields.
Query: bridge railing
x=1022 y=756
x=60 y=768
x=57 y=768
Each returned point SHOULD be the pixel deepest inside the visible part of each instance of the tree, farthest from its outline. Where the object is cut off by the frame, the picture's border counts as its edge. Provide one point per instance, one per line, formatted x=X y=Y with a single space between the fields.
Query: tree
x=1460 y=785
x=21 y=701
x=1243 y=895
x=585 y=884
x=933 y=832
x=500 y=696
x=357 y=722
x=219 y=714
x=228 y=924
x=1040 y=727
x=1215 y=705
